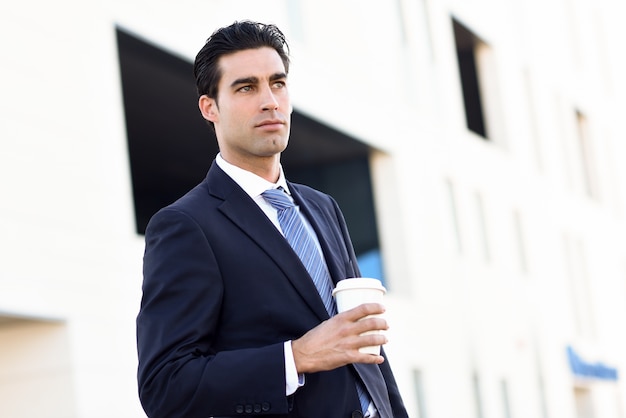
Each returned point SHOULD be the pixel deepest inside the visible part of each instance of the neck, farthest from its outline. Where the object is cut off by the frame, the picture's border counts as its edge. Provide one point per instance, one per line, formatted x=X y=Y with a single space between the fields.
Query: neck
x=265 y=167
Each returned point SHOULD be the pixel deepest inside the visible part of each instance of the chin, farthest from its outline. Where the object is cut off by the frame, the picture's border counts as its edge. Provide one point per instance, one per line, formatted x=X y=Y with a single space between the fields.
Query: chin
x=279 y=144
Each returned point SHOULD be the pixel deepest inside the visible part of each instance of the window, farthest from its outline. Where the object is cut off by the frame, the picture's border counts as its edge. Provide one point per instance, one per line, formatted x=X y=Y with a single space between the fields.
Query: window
x=482 y=226
x=401 y=15
x=520 y=240
x=296 y=25
x=586 y=156
x=454 y=217
x=478 y=82
x=532 y=119
x=170 y=147
x=584 y=402
x=418 y=383
x=579 y=287
x=506 y=402
x=478 y=401
x=541 y=387
x=426 y=27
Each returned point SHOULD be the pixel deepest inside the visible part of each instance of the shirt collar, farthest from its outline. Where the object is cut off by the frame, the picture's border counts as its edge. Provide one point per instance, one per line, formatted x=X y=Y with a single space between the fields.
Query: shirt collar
x=252 y=184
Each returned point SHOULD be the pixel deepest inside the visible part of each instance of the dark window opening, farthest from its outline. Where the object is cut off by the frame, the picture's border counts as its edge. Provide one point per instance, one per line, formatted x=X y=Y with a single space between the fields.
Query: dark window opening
x=466 y=50
x=171 y=147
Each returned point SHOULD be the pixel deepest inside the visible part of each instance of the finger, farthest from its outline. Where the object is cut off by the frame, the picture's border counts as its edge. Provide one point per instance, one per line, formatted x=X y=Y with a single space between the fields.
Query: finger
x=369 y=358
x=371 y=338
x=370 y=324
x=364 y=310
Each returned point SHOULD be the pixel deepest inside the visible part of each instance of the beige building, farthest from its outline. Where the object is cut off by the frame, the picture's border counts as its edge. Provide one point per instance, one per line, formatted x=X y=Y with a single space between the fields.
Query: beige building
x=477 y=147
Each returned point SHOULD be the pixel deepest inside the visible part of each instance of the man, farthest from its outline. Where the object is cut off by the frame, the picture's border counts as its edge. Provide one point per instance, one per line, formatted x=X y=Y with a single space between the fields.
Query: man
x=231 y=321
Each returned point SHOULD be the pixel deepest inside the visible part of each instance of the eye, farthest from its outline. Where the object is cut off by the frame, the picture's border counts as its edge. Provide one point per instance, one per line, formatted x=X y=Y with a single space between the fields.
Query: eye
x=279 y=85
x=245 y=89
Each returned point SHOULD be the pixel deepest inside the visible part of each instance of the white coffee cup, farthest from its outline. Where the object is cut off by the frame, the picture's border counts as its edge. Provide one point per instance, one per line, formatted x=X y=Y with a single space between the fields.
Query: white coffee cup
x=352 y=292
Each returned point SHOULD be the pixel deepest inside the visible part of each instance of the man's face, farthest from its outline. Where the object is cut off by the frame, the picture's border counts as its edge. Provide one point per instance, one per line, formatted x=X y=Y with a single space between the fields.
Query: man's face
x=252 y=112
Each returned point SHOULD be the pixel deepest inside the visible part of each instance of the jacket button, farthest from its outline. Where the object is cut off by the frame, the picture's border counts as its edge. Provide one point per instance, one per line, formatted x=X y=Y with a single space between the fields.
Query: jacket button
x=357 y=414
x=257 y=408
x=248 y=409
x=239 y=409
x=265 y=406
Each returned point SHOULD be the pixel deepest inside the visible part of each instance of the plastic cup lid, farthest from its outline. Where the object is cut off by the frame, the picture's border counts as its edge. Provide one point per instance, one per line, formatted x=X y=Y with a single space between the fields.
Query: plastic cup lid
x=359 y=283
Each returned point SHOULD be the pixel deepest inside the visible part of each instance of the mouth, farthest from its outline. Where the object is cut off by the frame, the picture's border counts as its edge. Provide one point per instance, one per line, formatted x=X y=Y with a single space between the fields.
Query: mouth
x=271 y=123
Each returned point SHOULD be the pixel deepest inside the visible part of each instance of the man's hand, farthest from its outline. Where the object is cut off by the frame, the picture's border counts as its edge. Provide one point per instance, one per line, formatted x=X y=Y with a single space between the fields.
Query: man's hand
x=336 y=342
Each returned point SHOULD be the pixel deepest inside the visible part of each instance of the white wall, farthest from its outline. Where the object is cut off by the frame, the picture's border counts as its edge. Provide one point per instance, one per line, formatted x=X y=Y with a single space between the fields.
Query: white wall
x=384 y=72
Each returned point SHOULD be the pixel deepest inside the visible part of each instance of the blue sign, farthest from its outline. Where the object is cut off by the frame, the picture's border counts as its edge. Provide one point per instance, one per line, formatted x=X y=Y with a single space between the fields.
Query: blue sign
x=590 y=370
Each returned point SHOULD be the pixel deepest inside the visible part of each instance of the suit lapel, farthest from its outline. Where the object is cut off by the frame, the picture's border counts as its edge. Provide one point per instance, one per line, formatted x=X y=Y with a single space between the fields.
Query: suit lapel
x=331 y=248
x=247 y=216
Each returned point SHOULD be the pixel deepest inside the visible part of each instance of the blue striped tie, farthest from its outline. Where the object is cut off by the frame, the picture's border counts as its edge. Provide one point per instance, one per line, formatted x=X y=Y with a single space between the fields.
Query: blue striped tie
x=303 y=244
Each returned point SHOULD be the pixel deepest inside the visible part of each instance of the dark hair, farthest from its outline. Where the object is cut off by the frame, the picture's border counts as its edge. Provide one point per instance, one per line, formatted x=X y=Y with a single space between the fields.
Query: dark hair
x=227 y=40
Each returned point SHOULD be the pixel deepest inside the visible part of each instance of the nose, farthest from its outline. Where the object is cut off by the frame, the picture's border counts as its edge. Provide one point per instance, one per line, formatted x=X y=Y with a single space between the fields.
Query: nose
x=268 y=101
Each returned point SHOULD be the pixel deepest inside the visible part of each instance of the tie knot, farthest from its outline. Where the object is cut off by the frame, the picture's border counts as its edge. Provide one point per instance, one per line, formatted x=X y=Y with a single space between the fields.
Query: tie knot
x=278 y=198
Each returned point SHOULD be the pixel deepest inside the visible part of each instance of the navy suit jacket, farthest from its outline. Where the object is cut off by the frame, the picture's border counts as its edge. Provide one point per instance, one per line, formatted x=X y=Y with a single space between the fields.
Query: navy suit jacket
x=222 y=292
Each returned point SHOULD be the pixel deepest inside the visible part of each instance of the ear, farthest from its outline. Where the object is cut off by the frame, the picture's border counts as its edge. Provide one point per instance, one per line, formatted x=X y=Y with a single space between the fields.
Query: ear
x=208 y=108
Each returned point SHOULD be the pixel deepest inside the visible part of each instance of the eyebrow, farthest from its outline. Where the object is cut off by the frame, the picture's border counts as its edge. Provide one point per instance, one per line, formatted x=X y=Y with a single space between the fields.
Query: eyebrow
x=255 y=80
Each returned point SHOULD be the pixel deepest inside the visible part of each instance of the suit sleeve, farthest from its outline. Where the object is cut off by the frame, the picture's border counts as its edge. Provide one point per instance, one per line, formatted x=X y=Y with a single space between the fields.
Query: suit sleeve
x=397 y=405
x=180 y=373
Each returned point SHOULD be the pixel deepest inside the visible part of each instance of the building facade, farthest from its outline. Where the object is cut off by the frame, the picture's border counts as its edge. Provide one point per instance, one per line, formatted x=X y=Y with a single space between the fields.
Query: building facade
x=477 y=148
